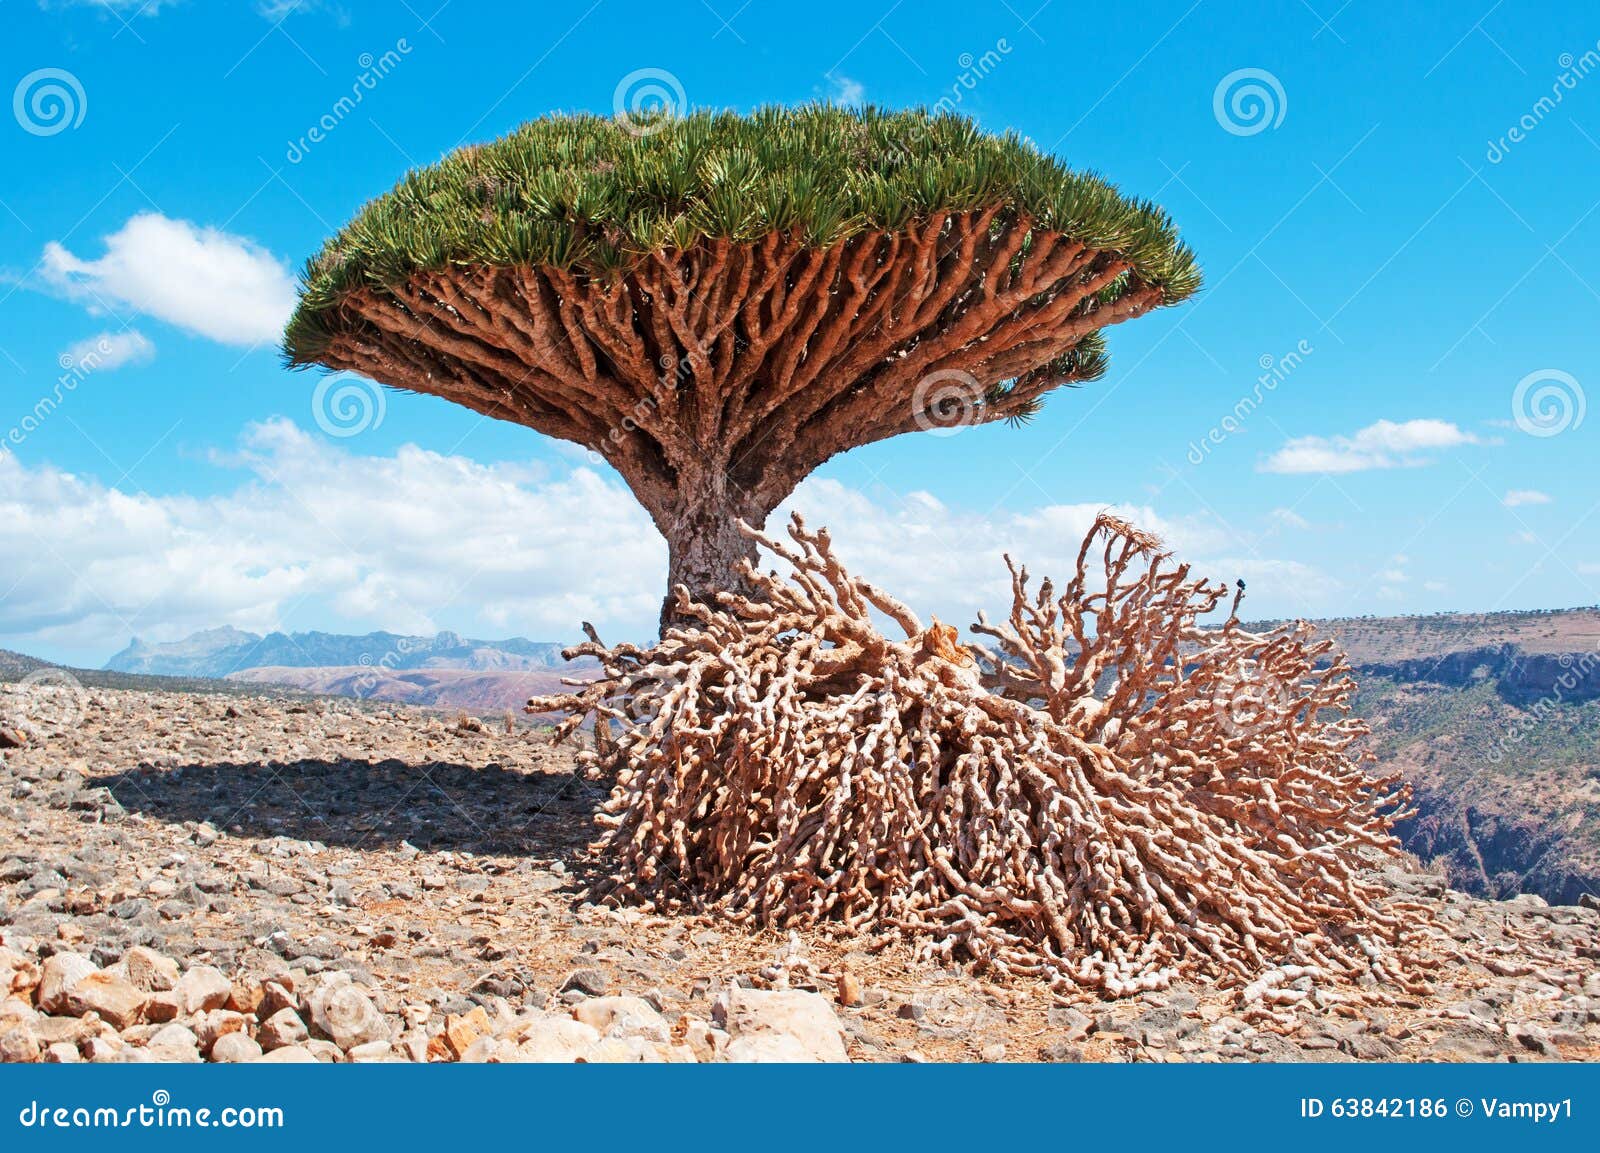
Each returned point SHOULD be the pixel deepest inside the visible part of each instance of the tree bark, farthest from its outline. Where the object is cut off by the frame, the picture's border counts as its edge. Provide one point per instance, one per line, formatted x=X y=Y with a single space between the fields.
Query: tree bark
x=704 y=544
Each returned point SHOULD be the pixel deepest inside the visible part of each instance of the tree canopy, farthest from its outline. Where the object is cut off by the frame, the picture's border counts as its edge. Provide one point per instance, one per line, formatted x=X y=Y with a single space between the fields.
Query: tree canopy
x=594 y=195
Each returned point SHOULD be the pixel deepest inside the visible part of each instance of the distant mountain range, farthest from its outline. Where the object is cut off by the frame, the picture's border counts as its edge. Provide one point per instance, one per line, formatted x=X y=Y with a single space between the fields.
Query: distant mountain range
x=221 y=652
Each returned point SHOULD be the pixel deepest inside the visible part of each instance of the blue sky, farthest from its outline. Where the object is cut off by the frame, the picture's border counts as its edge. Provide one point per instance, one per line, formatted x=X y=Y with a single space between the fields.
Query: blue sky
x=1398 y=219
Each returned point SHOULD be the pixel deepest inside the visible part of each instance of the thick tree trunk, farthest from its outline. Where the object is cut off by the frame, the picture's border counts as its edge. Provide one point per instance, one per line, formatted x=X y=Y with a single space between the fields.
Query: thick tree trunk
x=705 y=546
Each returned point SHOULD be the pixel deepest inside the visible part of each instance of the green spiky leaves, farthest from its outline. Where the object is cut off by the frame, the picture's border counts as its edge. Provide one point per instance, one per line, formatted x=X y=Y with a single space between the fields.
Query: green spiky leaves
x=594 y=195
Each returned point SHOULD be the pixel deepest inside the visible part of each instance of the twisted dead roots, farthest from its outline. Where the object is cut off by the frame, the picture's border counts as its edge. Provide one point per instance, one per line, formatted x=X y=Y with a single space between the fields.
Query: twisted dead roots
x=1108 y=797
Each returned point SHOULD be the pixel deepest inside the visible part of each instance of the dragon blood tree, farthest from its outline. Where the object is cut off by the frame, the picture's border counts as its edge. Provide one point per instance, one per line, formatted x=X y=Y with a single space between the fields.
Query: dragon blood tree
x=718 y=304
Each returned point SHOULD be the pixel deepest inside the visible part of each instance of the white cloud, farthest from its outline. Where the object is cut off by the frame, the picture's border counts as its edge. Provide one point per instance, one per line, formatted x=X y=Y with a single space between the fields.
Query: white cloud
x=316 y=536
x=1386 y=444
x=1521 y=496
x=1436 y=586
x=1289 y=518
x=279 y=10
x=136 y=7
x=199 y=279
x=107 y=351
x=843 y=90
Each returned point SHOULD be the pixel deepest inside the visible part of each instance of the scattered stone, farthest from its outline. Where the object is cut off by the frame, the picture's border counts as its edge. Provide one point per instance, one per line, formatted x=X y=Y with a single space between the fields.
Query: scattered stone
x=288 y=1055
x=1061 y=1053
x=235 y=1049
x=174 y=1043
x=102 y=1048
x=589 y=982
x=61 y=1053
x=202 y=988
x=371 y=1051
x=149 y=970
x=806 y=1017
x=460 y=1031
x=60 y=973
x=284 y=1028
x=850 y=993
x=19 y=1044
x=1070 y=1024
x=118 y=1003
x=324 y=1051
x=161 y=1007
x=554 y=1039
x=770 y=1048
x=622 y=1017
x=346 y=1016
x=215 y=1024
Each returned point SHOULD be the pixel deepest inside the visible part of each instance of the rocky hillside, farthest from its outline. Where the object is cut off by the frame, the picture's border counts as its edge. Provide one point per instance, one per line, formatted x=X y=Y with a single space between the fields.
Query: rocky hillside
x=1507 y=783
x=222 y=651
x=193 y=877
x=1495 y=720
x=491 y=691
x=1388 y=640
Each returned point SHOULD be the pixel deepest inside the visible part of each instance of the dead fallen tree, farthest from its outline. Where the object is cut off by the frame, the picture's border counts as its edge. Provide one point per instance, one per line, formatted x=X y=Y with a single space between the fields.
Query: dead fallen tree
x=1108 y=797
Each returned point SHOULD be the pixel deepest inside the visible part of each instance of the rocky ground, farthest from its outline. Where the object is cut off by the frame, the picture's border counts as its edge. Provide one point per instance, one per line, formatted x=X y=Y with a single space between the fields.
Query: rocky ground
x=185 y=876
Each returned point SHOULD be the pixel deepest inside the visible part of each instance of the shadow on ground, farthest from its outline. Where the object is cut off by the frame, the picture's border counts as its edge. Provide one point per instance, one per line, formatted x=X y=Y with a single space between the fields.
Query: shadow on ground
x=433 y=805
